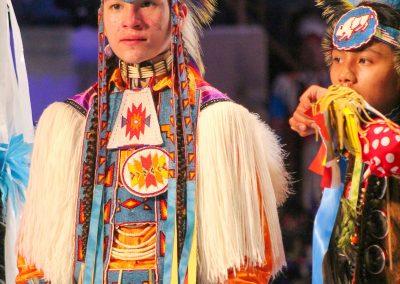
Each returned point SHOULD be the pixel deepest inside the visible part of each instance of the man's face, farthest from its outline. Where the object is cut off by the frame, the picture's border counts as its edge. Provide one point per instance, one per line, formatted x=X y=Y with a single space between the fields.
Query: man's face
x=139 y=31
x=370 y=72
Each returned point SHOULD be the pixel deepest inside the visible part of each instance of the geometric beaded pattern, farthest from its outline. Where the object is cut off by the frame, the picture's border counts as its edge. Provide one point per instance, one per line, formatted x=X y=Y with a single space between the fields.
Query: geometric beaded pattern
x=144 y=210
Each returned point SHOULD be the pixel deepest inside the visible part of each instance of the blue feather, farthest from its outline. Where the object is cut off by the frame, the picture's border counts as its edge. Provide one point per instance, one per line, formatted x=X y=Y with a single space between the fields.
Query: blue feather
x=14 y=166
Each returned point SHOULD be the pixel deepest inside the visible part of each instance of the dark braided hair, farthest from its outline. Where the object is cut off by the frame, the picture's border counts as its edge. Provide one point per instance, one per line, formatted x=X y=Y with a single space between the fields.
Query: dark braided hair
x=90 y=160
x=181 y=194
x=181 y=185
x=89 y=175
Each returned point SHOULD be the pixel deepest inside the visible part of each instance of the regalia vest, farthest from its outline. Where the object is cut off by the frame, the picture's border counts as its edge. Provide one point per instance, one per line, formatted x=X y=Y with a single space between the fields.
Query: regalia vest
x=138 y=182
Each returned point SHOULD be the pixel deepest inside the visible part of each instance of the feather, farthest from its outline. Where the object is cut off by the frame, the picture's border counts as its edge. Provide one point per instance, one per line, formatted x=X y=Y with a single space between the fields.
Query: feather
x=334 y=9
x=203 y=10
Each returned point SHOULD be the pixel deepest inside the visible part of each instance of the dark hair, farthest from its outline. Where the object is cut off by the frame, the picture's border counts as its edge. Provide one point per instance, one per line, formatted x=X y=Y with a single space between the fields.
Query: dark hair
x=90 y=159
x=89 y=176
x=387 y=16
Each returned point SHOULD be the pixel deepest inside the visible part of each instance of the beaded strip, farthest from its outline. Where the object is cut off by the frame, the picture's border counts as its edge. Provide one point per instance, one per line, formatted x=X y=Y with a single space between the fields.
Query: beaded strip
x=211 y=102
x=76 y=106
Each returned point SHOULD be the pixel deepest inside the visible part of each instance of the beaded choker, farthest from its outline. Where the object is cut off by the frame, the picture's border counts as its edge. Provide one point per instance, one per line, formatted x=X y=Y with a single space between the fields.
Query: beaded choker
x=147 y=69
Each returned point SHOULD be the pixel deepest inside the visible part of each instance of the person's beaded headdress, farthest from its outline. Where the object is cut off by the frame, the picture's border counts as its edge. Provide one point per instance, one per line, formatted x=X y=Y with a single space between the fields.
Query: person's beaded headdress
x=353 y=24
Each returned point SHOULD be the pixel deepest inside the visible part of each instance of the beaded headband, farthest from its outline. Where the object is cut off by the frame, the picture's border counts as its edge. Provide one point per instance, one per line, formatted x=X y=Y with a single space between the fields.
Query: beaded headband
x=355 y=26
x=351 y=26
x=358 y=26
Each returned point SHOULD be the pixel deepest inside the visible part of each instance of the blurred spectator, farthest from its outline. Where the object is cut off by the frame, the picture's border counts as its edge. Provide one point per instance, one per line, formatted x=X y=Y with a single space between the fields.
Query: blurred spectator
x=285 y=93
x=310 y=69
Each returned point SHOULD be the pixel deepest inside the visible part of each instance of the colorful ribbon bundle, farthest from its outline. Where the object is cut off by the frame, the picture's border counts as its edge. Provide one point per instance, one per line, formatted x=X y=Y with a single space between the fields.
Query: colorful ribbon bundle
x=350 y=129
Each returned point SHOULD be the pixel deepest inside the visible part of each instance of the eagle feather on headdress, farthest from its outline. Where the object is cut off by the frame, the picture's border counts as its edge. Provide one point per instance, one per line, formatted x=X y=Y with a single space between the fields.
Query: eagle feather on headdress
x=203 y=10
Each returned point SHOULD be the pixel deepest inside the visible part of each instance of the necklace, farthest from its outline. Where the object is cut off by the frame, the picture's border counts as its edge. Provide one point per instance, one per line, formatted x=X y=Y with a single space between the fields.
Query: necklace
x=137 y=74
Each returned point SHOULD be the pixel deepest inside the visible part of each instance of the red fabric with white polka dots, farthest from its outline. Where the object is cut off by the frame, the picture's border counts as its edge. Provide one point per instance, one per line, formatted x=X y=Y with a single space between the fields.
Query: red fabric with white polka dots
x=381 y=148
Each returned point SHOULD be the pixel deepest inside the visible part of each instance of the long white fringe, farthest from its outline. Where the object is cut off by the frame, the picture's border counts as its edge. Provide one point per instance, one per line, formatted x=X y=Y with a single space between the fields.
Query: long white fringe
x=236 y=155
x=274 y=185
x=46 y=237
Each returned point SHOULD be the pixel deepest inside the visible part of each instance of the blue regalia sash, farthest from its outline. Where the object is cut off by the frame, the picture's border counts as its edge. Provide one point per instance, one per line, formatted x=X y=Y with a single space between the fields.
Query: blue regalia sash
x=324 y=222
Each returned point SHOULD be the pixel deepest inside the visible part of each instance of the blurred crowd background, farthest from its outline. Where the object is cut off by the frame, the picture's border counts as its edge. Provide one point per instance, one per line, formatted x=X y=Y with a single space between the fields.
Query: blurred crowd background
x=263 y=53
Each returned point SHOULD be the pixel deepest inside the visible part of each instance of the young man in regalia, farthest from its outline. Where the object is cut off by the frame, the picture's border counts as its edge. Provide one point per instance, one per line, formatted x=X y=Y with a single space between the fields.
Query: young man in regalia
x=152 y=175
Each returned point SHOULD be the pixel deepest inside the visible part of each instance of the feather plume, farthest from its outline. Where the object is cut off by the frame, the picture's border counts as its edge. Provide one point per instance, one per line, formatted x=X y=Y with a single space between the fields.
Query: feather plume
x=334 y=9
x=203 y=10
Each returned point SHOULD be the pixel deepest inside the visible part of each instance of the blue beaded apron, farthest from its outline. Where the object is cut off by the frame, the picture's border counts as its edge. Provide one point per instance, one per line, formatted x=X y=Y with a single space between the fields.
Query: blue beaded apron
x=108 y=196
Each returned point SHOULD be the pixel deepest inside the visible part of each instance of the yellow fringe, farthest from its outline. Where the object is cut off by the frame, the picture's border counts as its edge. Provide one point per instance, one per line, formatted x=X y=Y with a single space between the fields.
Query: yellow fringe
x=192 y=267
x=174 y=270
x=347 y=111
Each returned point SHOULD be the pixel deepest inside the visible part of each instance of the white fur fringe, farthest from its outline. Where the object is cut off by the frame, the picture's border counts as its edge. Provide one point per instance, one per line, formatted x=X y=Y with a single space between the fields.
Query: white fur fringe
x=46 y=237
x=237 y=154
